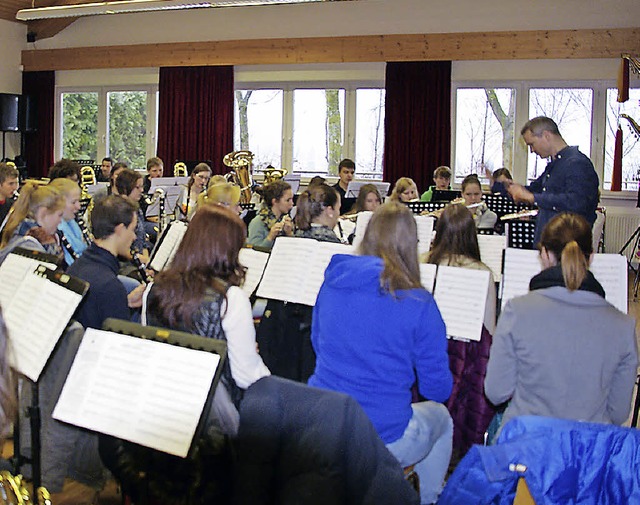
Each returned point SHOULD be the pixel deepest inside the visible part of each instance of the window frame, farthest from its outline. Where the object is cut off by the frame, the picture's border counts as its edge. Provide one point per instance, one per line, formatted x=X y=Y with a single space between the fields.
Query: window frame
x=102 y=126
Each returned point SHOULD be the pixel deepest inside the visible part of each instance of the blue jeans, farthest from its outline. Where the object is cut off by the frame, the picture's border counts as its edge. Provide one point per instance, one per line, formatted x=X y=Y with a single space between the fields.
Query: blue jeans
x=426 y=443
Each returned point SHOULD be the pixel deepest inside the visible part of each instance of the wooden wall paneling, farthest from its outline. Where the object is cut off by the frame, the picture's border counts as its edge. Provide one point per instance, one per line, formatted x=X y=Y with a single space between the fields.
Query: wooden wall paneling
x=558 y=44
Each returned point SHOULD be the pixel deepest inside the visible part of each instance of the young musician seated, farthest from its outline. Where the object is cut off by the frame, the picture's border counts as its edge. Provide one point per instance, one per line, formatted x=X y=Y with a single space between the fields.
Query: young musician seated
x=562 y=350
x=273 y=217
x=200 y=293
x=155 y=168
x=188 y=199
x=34 y=220
x=472 y=194
x=8 y=187
x=499 y=180
x=130 y=185
x=442 y=180
x=65 y=169
x=405 y=190
x=113 y=222
x=395 y=334
x=456 y=244
x=368 y=199
x=317 y=213
x=224 y=194
x=71 y=235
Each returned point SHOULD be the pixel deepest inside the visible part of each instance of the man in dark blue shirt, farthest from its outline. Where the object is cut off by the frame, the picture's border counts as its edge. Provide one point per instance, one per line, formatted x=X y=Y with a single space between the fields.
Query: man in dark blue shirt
x=569 y=182
x=113 y=222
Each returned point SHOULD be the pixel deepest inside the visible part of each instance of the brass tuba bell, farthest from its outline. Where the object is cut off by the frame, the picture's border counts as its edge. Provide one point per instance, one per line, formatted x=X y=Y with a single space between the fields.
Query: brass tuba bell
x=273 y=174
x=240 y=164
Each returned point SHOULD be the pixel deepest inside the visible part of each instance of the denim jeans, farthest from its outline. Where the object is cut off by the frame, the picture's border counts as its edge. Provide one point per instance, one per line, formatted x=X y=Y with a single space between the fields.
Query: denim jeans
x=426 y=443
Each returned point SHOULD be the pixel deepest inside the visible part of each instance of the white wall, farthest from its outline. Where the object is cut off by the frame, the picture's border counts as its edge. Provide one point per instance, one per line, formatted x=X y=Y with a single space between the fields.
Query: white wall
x=13 y=37
x=363 y=17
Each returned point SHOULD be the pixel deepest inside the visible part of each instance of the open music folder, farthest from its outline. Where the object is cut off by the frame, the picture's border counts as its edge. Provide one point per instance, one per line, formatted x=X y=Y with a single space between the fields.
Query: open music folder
x=255 y=263
x=37 y=314
x=520 y=265
x=167 y=245
x=150 y=386
x=295 y=270
x=461 y=295
x=491 y=253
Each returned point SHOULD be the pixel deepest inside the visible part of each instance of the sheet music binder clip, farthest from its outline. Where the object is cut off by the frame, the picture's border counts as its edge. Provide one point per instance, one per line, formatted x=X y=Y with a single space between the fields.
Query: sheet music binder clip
x=181 y=339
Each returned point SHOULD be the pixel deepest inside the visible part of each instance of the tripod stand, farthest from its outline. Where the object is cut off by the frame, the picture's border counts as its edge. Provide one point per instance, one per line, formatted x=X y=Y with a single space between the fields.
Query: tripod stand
x=635 y=238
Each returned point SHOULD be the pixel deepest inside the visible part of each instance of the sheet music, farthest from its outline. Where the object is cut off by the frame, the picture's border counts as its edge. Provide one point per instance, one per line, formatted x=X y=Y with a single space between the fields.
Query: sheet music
x=491 y=247
x=295 y=270
x=610 y=270
x=168 y=246
x=425 y=232
x=36 y=317
x=147 y=392
x=255 y=261
x=171 y=195
x=520 y=265
x=428 y=275
x=361 y=226
x=12 y=271
x=461 y=295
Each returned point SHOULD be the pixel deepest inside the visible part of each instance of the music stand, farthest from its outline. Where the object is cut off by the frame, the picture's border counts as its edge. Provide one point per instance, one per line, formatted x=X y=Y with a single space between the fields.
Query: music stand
x=353 y=189
x=444 y=195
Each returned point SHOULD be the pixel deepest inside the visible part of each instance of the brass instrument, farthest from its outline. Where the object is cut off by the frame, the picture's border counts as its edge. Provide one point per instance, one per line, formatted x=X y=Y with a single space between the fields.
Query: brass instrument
x=272 y=174
x=14 y=492
x=180 y=169
x=240 y=164
x=87 y=178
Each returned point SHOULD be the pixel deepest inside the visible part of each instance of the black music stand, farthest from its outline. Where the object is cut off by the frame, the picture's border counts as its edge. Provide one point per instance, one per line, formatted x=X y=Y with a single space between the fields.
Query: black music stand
x=521 y=233
x=419 y=207
x=635 y=238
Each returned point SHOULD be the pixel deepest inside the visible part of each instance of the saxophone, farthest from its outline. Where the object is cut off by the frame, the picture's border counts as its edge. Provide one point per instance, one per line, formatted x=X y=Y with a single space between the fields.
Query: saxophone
x=240 y=164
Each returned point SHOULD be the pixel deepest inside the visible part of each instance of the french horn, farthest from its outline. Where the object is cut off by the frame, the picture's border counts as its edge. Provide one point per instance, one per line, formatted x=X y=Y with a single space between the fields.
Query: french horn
x=240 y=164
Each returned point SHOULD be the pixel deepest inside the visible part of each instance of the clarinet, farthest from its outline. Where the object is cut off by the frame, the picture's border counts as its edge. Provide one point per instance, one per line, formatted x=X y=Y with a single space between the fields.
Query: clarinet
x=161 y=204
x=65 y=243
x=140 y=266
x=84 y=229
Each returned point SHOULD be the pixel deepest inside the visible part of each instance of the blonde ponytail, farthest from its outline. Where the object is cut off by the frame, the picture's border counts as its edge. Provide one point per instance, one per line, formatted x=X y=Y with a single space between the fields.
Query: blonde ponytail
x=574 y=265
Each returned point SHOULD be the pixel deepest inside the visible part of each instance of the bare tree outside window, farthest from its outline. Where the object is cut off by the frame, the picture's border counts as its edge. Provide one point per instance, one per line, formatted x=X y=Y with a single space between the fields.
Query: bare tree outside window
x=484 y=130
x=571 y=109
x=369 y=132
x=630 y=136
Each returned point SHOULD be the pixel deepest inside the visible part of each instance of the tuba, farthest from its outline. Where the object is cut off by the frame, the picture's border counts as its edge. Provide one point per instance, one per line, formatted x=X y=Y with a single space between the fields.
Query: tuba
x=240 y=164
x=180 y=169
x=273 y=174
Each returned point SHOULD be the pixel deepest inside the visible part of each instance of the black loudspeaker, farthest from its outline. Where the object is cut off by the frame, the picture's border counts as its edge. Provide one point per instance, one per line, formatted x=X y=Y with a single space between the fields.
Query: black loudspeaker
x=28 y=114
x=9 y=112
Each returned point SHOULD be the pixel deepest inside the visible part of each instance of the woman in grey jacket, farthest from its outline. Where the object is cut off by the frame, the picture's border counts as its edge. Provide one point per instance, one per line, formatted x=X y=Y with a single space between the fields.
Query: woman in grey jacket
x=562 y=350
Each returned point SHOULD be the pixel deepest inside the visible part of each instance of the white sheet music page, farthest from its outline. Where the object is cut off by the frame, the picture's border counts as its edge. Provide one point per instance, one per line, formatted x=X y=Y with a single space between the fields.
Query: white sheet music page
x=35 y=323
x=425 y=232
x=147 y=392
x=520 y=265
x=254 y=261
x=461 y=295
x=610 y=270
x=361 y=226
x=295 y=270
x=169 y=245
x=491 y=247
x=428 y=275
x=12 y=271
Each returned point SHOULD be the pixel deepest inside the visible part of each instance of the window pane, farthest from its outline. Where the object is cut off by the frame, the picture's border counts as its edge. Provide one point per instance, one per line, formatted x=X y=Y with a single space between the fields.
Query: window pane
x=128 y=127
x=571 y=109
x=258 y=126
x=318 y=130
x=484 y=130
x=630 y=140
x=369 y=132
x=80 y=126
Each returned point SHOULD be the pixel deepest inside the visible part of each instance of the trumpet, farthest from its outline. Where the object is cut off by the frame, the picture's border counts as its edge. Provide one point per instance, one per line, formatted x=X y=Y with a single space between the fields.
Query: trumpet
x=240 y=163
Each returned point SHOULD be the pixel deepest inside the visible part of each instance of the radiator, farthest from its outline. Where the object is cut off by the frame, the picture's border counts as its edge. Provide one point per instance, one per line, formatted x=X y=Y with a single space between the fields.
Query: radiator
x=620 y=224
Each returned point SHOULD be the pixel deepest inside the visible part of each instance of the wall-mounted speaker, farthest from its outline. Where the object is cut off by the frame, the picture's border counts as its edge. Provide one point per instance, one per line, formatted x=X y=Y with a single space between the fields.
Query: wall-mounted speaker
x=9 y=112
x=28 y=114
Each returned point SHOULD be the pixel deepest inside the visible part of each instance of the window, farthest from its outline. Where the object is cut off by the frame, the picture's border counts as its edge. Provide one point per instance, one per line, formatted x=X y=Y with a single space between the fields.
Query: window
x=484 y=130
x=258 y=125
x=80 y=126
x=627 y=115
x=309 y=130
x=99 y=122
x=571 y=109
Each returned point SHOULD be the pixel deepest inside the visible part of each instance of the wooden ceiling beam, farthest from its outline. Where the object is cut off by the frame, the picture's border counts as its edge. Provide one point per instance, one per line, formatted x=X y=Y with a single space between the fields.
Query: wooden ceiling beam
x=512 y=45
x=46 y=28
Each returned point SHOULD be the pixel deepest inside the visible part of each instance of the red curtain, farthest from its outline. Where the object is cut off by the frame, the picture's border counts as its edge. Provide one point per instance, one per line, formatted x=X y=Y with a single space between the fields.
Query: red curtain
x=38 y=144
x=417 y=120
x=195 y=115
x=616 y=176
